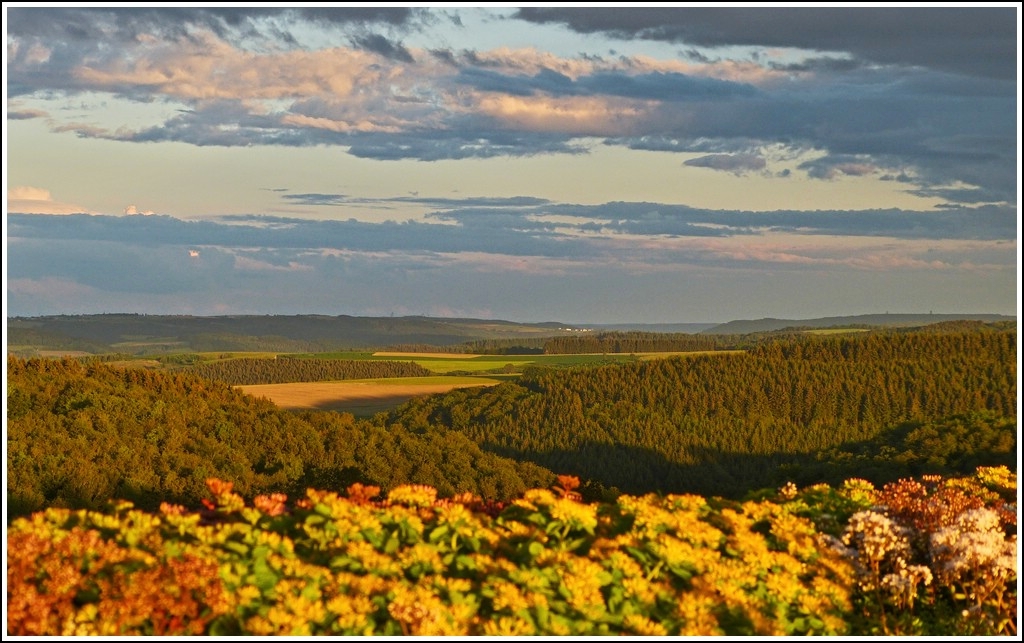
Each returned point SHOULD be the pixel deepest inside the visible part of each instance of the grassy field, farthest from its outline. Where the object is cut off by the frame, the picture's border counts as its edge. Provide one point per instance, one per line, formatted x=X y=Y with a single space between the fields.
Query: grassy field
x=361 y=398
x=442 y=363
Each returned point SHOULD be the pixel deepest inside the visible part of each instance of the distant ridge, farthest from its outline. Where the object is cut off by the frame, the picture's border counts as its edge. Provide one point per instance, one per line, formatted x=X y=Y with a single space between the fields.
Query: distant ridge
x=152 y=334
x=746 y=326
x=655 y=328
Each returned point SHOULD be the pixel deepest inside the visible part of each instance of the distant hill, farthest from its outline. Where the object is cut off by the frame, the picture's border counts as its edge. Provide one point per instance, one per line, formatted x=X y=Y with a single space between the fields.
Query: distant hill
x=748 y=326
x=135 y=334
x=657 y=328
x=154 y=334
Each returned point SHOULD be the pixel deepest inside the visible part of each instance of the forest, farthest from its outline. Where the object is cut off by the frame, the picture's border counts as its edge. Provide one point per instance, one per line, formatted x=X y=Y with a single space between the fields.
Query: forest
x=254 y=370
x=80 y=434
x=806 y=409
x=726 y=424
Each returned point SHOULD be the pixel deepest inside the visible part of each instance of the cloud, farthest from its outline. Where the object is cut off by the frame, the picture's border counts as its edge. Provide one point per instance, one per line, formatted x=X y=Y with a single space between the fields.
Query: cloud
x=920 y=92
x=31 y=200
x=133 y=210
x=973 y=41
x=548 y=260
x=653 y=85
x=735 y=163
x=25 y=114
x=381 y=45
x=85 y=25
x=832 y=167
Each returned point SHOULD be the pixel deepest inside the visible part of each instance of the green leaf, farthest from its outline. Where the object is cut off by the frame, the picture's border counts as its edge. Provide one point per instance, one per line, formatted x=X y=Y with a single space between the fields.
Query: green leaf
x=239 y=548
x=224 y=625
x=437 y=533
x=322 y=509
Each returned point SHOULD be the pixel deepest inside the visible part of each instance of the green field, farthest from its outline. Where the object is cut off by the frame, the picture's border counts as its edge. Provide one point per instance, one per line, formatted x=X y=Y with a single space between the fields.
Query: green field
x=484 y=363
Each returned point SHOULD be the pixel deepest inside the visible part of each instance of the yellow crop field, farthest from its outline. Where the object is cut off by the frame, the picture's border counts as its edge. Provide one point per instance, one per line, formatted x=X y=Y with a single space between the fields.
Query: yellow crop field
x=359 y=397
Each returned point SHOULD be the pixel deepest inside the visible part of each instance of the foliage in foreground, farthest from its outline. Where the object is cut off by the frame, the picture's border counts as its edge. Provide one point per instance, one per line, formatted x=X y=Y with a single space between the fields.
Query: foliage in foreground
x=932 y=556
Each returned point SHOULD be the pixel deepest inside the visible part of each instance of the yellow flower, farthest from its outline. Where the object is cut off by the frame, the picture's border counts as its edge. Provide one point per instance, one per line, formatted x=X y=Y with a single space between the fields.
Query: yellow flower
x=581 y=578
x=643 y=626
x=574 y=514
x=421 y=554
x=372 y=560
x=421 y=613
x=415 y=495
x=696 y=612
x=534 y=498
x=507 y=596
x=999 y=477
x=247 y=594
x=859 y=490
x=352 y=613
x=508 y=626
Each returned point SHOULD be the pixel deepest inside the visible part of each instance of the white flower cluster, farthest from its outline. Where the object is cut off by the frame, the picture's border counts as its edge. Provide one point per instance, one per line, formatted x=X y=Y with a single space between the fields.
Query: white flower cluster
x=902 y=583
x=876 y=538
x=880 y=548
x=974 y=551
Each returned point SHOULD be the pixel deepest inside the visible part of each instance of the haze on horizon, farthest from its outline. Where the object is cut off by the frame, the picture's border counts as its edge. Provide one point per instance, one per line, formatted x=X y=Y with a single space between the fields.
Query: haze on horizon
x=602 y=165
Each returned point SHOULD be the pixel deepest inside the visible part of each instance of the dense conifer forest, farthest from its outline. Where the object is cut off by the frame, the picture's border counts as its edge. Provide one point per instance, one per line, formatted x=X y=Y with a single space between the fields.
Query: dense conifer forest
x=81 y=434
x=724 y=424
x=278 y=371
x=877 y=405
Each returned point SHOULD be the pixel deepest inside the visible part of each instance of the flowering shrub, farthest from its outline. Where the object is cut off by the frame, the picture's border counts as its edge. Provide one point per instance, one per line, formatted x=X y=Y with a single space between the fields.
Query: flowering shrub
x=949 y=544
x=545 y=564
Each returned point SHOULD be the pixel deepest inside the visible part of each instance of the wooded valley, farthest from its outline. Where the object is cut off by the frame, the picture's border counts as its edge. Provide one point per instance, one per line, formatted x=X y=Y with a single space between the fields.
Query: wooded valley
x=801 y=408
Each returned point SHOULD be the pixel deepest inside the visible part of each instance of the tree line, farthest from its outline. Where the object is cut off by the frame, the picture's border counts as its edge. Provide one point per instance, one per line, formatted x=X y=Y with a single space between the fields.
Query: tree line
x=262 y=370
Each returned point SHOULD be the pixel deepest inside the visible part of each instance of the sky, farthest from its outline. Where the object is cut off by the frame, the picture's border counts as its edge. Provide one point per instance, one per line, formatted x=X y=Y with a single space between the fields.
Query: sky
x=561 y=163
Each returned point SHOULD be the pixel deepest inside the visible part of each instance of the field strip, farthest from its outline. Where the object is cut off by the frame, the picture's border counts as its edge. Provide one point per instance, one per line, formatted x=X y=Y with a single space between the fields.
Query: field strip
x=352 y=396
x=427 y=355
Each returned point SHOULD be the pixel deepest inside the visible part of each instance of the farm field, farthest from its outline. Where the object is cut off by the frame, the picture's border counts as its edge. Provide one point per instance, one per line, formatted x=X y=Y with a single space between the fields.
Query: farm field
x=361 y=398
x=452 y=362
x=364 y=398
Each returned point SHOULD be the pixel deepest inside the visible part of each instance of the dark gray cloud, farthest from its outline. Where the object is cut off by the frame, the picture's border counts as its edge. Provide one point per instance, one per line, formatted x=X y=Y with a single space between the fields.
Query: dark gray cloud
x=657 y=86
x=383 y=46
x=735 y=163
x=943 y=128
x=934 y=127
x=510 y=227
x=966 y=40
x=474 y=141
x=94 y=23
x=279 y=265
x=25 y=114
x=472 y=202
x=311 y=198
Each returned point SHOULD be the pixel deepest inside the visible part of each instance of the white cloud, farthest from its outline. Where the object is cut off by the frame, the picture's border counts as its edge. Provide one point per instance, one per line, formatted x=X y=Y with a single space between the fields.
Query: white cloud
x=32 y=200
